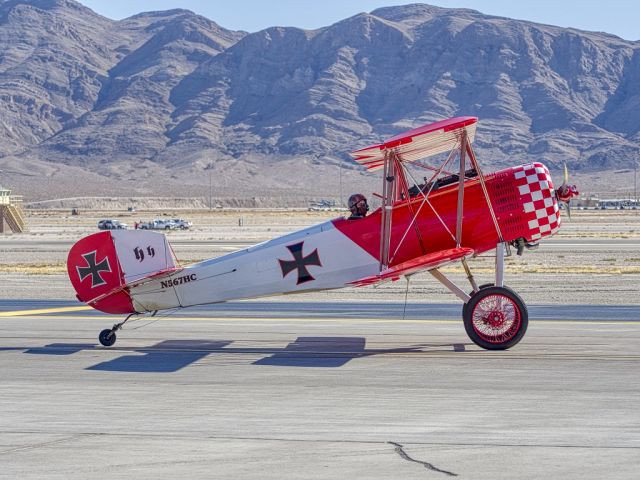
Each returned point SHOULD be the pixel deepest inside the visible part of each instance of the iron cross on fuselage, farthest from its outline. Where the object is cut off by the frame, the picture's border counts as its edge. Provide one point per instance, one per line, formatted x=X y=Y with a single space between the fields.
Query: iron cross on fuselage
x=300 y=263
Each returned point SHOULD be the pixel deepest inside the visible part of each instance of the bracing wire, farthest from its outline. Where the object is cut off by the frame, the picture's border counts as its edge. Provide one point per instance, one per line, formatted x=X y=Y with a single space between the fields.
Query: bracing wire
x=406 y=295
x=156 y=318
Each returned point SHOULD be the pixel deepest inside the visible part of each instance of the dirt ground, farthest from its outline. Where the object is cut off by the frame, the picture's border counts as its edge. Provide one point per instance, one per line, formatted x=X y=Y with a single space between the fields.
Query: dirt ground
x=594 y=259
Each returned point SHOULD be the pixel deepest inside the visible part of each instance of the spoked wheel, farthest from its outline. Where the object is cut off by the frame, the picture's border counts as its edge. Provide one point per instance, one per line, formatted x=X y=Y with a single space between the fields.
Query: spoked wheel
x=107 y=337
x=495 y=318
x=481 y=287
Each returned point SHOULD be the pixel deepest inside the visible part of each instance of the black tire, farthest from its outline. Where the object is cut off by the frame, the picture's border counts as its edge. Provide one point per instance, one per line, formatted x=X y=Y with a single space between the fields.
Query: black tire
x=107 y=337
x=495 y=318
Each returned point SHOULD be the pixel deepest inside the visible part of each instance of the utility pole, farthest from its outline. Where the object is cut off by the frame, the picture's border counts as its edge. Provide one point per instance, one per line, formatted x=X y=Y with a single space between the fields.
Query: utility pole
x=210 y=187
x=340 y=203
x=635 y=185
x=635 y=181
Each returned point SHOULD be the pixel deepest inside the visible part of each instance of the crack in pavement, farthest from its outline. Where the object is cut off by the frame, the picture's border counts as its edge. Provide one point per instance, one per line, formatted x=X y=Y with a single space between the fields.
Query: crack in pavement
x=400 y=451
x=32 y=446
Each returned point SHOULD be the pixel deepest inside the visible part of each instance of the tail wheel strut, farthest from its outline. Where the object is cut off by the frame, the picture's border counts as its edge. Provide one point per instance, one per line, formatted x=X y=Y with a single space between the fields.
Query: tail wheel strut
x=107 y=337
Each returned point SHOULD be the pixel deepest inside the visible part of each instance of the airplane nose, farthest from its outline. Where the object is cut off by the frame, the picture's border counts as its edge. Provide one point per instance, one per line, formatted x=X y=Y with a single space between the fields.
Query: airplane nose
x=541 y=210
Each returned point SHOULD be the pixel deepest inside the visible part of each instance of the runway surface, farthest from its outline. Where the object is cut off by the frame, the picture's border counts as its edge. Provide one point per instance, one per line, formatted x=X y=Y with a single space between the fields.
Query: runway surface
x=317 y=390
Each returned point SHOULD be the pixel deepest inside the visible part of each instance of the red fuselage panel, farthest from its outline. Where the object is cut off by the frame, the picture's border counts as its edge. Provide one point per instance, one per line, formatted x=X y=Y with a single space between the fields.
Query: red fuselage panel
x=434 y=229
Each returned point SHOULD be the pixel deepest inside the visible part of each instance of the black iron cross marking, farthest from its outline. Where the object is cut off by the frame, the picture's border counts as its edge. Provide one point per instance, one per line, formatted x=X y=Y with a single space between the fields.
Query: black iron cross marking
x=300 y=263
x=94 y=270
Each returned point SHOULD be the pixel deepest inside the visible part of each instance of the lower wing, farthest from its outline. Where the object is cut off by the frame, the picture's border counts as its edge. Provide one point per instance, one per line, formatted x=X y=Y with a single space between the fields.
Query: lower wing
x=424 y=262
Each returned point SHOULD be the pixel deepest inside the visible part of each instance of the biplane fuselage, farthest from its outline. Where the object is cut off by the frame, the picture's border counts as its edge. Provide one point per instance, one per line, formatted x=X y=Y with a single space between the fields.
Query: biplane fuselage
x=448 y=218
x=340 y=252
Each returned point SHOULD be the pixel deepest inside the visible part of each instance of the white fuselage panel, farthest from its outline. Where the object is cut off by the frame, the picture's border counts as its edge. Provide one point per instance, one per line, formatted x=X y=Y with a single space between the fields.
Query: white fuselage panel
x=316 y=258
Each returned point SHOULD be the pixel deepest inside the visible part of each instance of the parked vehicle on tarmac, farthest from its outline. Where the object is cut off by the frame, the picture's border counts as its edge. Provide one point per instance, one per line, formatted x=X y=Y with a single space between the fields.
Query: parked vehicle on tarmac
x=182 y=224
x=158 y=224
x=109 y=224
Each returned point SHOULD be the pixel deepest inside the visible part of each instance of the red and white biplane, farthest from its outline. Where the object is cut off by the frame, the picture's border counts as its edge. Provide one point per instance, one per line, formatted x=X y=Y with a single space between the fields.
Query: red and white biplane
x=454 y=216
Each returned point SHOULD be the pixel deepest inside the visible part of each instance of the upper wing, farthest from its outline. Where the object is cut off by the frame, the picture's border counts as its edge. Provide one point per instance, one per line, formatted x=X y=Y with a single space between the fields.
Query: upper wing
x=425 y=262
x=419 y=143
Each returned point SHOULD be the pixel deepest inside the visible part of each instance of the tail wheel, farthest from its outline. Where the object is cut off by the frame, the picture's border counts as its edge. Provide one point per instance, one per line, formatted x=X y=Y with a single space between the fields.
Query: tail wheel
x=495 y=318
x=107 y=337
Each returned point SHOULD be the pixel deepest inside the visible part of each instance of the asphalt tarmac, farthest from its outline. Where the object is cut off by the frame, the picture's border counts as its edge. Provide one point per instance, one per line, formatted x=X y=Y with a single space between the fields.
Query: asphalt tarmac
x=317 y=390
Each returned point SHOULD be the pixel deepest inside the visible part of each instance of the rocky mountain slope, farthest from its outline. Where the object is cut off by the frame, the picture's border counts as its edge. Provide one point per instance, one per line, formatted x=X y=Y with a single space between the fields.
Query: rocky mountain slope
x=167 y=99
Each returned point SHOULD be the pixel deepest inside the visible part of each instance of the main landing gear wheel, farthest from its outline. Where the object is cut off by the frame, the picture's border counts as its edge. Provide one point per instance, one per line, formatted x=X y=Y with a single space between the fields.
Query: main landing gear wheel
x=495 y=318
x=481 y=287
x=107 y=337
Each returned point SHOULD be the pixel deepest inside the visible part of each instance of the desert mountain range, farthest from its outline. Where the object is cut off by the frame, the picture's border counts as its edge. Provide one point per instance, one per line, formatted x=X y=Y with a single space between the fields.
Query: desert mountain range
x=166 y=102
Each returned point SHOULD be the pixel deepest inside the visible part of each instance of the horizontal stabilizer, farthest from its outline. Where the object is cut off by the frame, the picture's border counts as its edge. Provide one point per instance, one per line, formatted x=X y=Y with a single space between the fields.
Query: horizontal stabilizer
x=425 y=262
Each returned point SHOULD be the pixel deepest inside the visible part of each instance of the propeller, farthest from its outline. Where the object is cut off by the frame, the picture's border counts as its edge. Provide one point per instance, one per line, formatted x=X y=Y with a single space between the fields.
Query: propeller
x=566 y=192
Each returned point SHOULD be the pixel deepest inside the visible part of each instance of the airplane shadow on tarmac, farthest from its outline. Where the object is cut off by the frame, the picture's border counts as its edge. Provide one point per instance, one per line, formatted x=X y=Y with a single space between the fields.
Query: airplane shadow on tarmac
x=173 y=355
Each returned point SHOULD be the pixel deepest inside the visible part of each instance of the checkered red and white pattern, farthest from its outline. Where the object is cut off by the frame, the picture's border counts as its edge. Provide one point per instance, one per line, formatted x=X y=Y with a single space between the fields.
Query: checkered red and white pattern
x=540 y=204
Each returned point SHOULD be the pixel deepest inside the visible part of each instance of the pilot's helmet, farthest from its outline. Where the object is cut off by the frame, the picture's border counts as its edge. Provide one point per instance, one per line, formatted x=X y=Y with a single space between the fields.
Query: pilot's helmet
x=358 y=204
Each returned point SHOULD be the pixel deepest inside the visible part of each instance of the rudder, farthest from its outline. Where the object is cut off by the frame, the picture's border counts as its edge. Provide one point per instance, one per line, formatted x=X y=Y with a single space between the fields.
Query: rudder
x=104 y=265
x=95 y=272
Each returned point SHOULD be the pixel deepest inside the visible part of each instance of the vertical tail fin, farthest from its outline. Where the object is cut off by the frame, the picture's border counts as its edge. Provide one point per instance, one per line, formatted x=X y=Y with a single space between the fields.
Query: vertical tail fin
x=95 y=272
x=101 y=266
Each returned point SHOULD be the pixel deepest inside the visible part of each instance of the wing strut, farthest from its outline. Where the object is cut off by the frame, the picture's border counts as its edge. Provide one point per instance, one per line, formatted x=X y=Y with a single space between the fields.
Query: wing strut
x=474 y=163
x=395 y=188
x=388 y=195
x=463 y=149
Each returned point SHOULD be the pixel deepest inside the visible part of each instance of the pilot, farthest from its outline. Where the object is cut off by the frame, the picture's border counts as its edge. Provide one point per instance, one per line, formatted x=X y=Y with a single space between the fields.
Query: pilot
x=358 y=206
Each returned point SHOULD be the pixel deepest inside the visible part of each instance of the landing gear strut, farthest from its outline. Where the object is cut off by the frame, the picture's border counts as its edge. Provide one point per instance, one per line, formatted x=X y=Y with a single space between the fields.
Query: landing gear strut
x=107 y=336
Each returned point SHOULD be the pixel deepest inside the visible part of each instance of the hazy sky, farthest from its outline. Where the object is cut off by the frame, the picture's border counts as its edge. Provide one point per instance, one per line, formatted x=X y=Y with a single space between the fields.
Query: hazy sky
x=620 y=17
